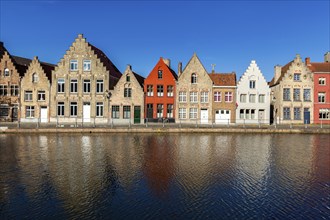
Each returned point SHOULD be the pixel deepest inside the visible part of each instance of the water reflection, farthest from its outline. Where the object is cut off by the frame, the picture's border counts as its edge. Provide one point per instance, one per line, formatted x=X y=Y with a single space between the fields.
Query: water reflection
x=176 y=175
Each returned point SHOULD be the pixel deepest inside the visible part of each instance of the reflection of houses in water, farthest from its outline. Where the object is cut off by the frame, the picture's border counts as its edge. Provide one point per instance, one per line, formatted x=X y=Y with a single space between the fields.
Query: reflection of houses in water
x=321 y=157
x=158 y=166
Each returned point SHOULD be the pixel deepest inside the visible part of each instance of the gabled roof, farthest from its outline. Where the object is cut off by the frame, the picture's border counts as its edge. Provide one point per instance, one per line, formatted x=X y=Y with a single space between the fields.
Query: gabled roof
x=284 y=69
x=106 y=61
x=223 y=79
x=196 y=57
x=139 y=78
x=2 y=49
x=320 y=67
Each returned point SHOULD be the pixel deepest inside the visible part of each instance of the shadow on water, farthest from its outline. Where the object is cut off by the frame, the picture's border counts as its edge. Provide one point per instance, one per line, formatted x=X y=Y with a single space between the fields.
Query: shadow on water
x=164 y=176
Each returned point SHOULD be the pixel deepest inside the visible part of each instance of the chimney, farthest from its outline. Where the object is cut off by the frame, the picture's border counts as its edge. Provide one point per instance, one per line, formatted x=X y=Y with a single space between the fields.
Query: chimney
x=167 y=62
x=129 y=67
x=308 y=61
x=80 y=36
x=327 y=57
x=179 y=68
x=277 y=71
x=35 y=58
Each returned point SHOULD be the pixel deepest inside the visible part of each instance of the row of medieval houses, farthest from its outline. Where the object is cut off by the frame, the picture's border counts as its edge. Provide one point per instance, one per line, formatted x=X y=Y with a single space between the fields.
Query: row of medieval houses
x=85 y=86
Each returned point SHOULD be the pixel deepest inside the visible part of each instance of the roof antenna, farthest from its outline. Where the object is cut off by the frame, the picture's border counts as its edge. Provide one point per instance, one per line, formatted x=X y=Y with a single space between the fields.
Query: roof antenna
x=213 y=65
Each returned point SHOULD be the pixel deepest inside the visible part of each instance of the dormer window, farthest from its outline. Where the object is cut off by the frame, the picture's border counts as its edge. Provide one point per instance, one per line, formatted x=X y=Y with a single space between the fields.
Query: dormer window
x=160 y=74
x=35 y=77
x=194 y=78
x=73 y=65
x=6 y=72
x=296 y=77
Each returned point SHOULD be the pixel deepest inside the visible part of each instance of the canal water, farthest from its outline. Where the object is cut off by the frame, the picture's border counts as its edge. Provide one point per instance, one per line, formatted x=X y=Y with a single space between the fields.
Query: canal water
x=164 y=176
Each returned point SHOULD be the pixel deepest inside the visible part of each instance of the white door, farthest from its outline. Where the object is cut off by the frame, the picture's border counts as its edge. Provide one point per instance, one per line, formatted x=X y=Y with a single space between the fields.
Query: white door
x=87 y=112
x=43 y=114
x=223 y=117
x=261 y=115
x=204 y=116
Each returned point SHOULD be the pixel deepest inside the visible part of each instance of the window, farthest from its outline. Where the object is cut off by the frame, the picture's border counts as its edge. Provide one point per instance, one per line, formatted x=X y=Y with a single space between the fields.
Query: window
x=73 y=65
x=160 y=74
x=296 y=94
x=127 y=92
x=6 y=72
x=160 y=90
x=60 y=109
x=73 y=109
x=169 y=110
x=286 y=113
x=204 y=97
x=261 y=98
x=286 y=94
x=253 y=113
x=28 y=96
x=41 y=96
x=241 y=113
x=170 y=91
x=35 y=77
x=14 y=90
x=182 y=113
x=217 y=96
x=242 y=98
x=60 y=85
x=296 y=114
x=252 y=98
x=128 y=78
x=193 y=113
x=321 y=81
x=307 y=95
x=321 y=97
x=193 y=97
x=247 y=113
x=74 y=86
x=194 y=78
x=252 y=84
x=159 y=110
x=87 y=65
x=324 y=114
x=99 y=86
x=127 y=111
x=228 y=96
x=87 y=85
x=115 y=111
x=3 y=90
x=99 y=109
x=182 y=97
x=29 y=111
x=150 y=90
x=296 y=77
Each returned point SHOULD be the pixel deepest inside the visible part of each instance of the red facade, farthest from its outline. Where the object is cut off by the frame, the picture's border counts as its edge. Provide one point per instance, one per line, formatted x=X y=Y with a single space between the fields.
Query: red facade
x=160 y=90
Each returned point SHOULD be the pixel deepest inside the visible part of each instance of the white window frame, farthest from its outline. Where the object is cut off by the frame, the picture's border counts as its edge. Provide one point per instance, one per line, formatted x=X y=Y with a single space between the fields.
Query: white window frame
x=73 y=85
x=99 y=109
x=321 y=97
x=73 y=65
x=193 y=97
x=182 y=113
x=242 y=98
x=29 y=112
x=182 y=96
x=28 y=96
x=73 y=109
x=322 y=81
x=150 y=90
x=86 y=86
x=60 y=108
x=170 y=110
x=160 y=110
x=87 y=65
x=193 y=113
x=41 y=95
x=61 y=85
x=160 y=90
x=204 y=97
x=228 y=97
x=170 y=90
x=217 y=96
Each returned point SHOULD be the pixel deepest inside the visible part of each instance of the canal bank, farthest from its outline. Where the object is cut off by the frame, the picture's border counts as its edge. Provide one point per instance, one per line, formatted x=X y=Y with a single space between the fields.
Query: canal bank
x=265 y=130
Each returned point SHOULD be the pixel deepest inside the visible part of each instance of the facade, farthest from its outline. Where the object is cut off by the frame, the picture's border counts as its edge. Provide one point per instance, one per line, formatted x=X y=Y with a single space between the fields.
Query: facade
x=321 y=73
x=11 y=70
x=224 y=98
x=159 y=88
x=35 y=92
x=127 y=99
x=81 y=83
x=194 y=94
x=292 y=93
x=253 y=97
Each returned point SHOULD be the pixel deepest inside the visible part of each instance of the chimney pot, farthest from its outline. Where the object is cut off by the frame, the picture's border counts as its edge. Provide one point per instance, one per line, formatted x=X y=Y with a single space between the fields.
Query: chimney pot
x=179 y=68
x=327 y=57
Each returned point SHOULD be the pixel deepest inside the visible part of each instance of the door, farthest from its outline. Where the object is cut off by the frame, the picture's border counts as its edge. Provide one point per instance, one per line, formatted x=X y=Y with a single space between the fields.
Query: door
x=223 y=117
x=87 y=112
x=137 y=114
x=261 y=115
x=217 y=117
x=307 y=116
x=204 y=116
x=43 y=114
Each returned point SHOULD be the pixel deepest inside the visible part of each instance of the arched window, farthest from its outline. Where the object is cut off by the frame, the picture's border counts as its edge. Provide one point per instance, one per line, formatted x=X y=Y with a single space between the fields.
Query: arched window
x=194 y=78
x=6 y=72
x=35 y=77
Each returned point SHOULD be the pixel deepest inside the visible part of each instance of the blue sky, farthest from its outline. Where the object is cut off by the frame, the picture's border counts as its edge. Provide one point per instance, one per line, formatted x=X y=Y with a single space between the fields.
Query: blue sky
x=226 y=33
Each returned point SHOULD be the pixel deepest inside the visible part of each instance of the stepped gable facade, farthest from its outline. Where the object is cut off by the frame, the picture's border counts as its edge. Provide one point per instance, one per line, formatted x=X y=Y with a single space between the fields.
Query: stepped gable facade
x=81 y=84
x=194 y=94
x=253 y=97
x=127 y=99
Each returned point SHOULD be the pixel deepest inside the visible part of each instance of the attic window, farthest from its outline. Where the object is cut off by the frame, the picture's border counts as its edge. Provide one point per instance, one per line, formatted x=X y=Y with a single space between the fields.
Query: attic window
x=6 y=72
x=296 y=77
x=128 y=78
x=194 y=78
x=35 y=77
x=160 y=74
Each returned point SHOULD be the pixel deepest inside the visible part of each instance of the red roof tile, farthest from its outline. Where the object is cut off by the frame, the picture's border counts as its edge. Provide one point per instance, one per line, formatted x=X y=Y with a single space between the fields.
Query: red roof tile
x=223 y=79
x=320 y=67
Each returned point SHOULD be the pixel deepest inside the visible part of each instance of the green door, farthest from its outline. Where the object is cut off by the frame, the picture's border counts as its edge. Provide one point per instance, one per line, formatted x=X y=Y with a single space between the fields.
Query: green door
x=137 y=114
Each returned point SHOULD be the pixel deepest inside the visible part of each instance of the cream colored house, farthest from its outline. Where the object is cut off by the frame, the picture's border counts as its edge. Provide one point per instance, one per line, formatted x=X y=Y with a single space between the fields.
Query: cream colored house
x=194 y=94
x=35 y=91
x=292 y=93
x=127 y=99
x=81 y=83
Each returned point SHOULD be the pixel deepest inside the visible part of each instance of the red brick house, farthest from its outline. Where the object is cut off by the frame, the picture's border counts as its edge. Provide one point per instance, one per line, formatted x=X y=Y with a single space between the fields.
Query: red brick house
x=159 y=89
x=321 y=74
